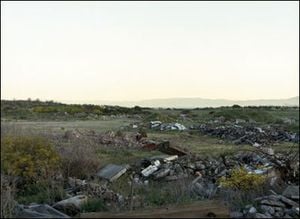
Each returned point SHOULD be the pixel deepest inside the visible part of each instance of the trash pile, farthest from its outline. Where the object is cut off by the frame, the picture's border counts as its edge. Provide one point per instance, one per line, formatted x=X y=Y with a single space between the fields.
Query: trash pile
x=285 y=205
x=247 y=134
x=166 y=126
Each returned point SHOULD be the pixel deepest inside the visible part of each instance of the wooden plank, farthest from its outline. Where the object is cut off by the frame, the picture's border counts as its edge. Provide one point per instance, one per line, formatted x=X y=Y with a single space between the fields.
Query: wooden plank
x=206 y=209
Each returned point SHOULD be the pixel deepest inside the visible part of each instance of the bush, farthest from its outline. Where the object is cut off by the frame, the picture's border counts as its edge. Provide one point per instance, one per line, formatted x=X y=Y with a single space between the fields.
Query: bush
x=41 y=192
x=240 y=179
x=79 y=160
x=93 y=205
x=7 y=196
x=31 y=158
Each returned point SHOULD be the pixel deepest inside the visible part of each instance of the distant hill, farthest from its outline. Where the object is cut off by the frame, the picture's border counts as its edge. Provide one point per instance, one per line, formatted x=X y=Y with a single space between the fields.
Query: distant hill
x=197 y=102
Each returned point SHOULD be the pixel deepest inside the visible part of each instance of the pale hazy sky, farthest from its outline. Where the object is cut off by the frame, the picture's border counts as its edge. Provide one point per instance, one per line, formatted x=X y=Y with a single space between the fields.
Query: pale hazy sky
x=145 y=50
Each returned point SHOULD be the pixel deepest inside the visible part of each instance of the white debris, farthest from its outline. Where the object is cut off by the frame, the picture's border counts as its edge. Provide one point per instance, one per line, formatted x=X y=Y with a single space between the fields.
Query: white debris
x=168 y=159
x=256 y=145
x=151 y=169
x=154 y=124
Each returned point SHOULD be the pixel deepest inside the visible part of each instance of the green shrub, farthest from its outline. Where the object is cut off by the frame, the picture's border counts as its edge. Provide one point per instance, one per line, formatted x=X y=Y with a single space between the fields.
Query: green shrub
x=240 y=179
x=41 y=192
x=29 y=157
x=94 y=205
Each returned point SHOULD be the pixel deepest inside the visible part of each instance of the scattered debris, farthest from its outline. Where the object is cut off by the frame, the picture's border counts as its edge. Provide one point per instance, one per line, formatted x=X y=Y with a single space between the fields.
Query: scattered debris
x=166 y=126
x=247 y=133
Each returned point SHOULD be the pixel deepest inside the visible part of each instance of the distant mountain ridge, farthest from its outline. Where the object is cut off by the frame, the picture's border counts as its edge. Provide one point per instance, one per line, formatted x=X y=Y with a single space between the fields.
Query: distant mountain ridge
x=196 y=102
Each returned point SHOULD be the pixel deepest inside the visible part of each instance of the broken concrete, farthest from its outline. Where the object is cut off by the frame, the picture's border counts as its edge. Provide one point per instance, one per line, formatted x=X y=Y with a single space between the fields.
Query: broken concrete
x=71 y=206
x=151 y=169
x=112 y=172
x=38 y=211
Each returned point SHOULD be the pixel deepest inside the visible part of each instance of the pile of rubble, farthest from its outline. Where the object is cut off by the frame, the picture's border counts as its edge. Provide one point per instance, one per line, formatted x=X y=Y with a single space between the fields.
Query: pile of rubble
x=110 y=138
x=170 y=168
x=285 y=205
x=247 y=134
x=166 y=126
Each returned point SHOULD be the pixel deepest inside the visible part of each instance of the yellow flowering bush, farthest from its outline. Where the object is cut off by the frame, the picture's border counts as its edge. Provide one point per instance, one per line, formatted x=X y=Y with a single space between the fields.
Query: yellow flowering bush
x=29 y=157
x=242 y=180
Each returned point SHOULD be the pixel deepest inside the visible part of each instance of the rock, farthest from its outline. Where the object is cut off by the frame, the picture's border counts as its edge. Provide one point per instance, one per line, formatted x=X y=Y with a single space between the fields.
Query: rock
x=272 y=203
x=236 y=214
x=170 y=158
x=252 y=211
x=256 y=144
x=161 y=173
x=112 y=172
x=38 y=211
x=291 y=191
x=199 y=166
x=204 y=189
x=176 y=177
x=288 y=201
x=268 y=151
x=151 y=169
x=277 y=215
x=155 y=124
x=293 y=212
x=71 y=206
x=268 y=209
x=259 y=215
x=277 y=209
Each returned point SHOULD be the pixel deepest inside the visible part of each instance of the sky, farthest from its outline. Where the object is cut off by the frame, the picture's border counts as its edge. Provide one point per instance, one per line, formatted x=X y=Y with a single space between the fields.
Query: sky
x=128 y=51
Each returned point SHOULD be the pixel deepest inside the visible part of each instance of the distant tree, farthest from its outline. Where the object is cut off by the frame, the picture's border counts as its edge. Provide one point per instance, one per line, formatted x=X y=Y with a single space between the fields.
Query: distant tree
x=236 y=106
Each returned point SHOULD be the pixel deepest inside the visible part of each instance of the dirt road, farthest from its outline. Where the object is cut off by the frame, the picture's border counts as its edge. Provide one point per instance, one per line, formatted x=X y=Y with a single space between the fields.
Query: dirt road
x=203 y=209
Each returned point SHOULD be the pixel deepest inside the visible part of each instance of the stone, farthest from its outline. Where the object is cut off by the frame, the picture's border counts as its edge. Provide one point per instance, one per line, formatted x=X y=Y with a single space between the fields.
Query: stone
x=151 y=169
x=291 y=191
x=71 y=206
x=38 y=211
x=268 y=209
x=252 y=210
x=272 y=203
x=236 y=214
x=288 y=201
x=161 y=173
x=206 y=190
x=155 y=124
x=170 y=158
x=259 y=215
x=268 y=151
x=199 y=166
x=256 y=144
x=112 y=172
